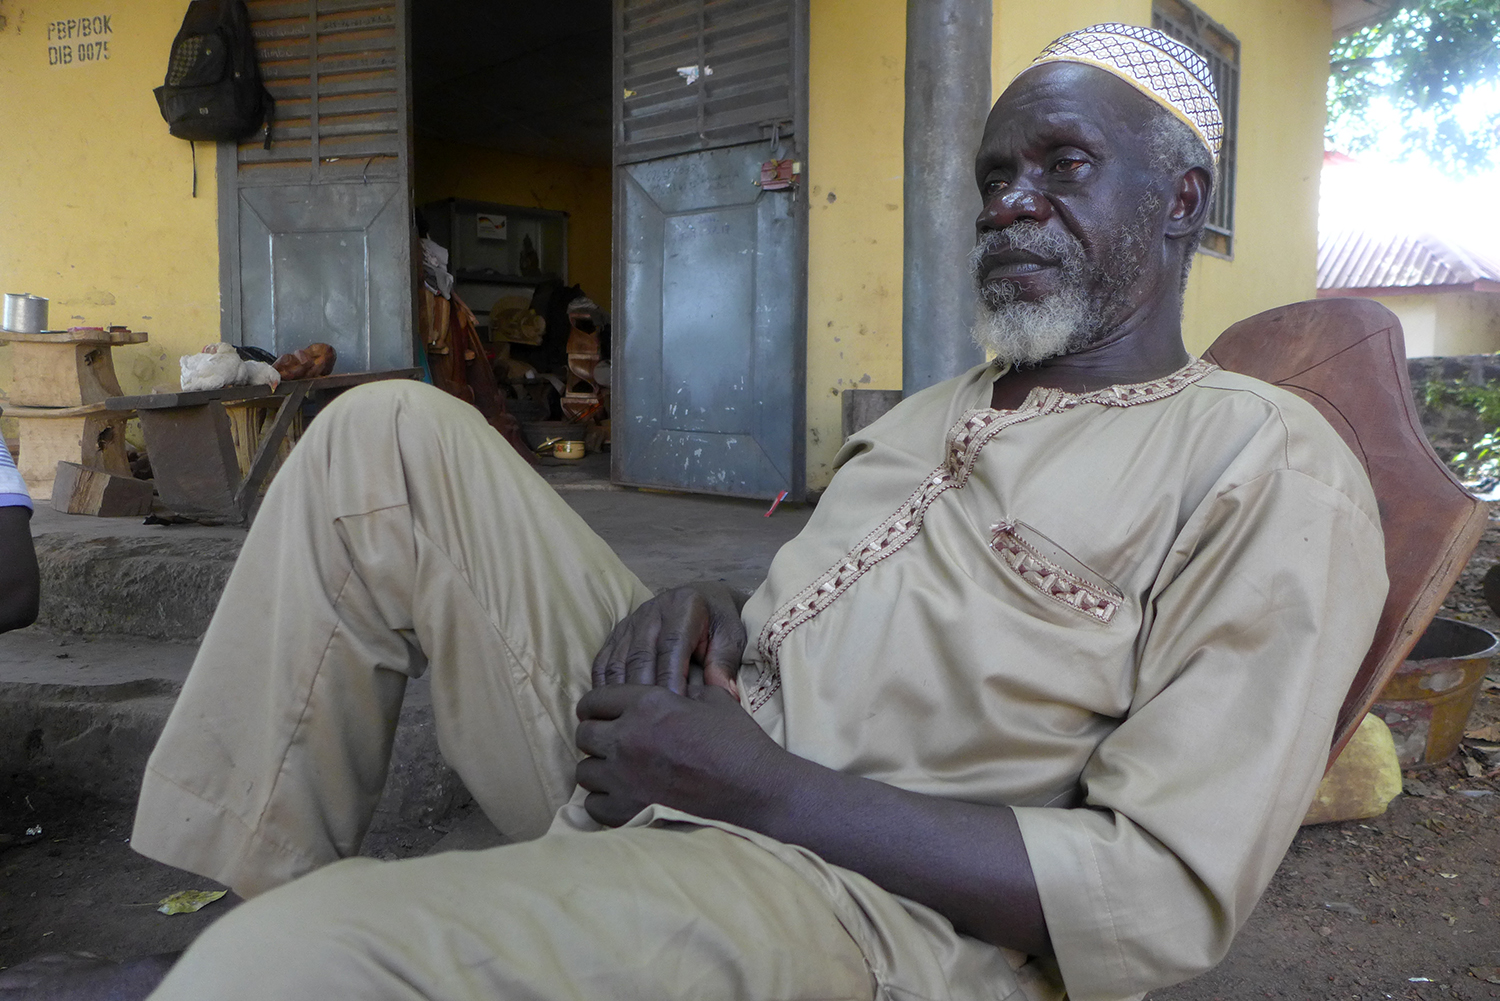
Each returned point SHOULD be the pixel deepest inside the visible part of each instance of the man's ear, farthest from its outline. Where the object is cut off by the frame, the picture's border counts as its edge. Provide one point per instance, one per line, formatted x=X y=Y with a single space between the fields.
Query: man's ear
x=1190 y=204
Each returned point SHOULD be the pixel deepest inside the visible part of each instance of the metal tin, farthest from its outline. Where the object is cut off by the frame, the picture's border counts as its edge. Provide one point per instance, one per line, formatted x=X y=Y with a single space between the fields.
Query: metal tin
x=25 y=313
x=568 y=450
x=1428 y=700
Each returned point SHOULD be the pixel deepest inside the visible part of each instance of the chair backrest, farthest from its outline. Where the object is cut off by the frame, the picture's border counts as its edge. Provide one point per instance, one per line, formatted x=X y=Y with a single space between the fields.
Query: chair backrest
x=1347 y=357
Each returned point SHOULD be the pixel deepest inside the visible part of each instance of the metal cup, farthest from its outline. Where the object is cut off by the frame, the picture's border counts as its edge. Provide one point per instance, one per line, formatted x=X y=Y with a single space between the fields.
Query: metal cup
x=24 y=313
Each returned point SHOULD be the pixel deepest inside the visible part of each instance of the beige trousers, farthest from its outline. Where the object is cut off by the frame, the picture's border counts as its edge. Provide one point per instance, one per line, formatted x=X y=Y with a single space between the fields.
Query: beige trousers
x=404 y=535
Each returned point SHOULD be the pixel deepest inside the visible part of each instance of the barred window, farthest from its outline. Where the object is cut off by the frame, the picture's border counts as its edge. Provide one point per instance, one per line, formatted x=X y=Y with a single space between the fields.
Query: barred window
x=1189 y=25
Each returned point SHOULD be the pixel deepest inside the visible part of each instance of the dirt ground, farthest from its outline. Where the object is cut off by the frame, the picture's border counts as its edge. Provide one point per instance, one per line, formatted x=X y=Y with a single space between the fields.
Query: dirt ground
x=1406 y=905
x=76 y=885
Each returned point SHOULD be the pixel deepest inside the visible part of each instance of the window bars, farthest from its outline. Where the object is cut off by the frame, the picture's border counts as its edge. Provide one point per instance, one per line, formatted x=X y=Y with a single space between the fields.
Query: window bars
x=1189 y=25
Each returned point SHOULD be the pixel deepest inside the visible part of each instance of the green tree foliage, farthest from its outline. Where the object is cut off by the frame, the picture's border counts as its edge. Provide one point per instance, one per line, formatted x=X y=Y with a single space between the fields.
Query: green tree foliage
x=1480 y=462
x=1424 y=58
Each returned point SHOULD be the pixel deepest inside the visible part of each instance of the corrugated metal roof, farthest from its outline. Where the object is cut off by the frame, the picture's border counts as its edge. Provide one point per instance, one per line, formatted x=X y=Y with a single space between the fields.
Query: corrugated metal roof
x=1357 y=258
x=1366 y=240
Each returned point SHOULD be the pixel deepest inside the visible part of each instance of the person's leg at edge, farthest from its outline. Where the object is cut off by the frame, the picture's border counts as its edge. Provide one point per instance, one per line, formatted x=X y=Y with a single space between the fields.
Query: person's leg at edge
x=402 y=532
x=646 y=913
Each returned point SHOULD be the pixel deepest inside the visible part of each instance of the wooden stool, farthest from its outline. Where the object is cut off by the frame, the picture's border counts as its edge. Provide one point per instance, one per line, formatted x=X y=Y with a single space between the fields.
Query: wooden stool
x=89 y=436
x=66 y=368
x=60 y=382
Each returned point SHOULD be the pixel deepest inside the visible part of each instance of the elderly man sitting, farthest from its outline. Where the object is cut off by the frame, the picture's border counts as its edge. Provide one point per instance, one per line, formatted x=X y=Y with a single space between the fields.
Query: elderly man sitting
x=1032 y=707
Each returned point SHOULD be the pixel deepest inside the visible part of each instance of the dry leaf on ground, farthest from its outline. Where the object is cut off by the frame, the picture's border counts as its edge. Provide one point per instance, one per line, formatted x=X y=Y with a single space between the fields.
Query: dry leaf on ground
x=1490 y=733
x=188 y=901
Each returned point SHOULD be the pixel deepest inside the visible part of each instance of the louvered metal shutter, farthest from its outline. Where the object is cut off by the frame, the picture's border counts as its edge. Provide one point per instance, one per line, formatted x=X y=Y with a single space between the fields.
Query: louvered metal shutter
x=335 y=68
x=702 y=74
x=315 y=234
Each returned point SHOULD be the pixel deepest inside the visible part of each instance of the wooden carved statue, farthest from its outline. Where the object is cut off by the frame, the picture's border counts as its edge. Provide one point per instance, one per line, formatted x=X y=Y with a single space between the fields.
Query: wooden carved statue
x=582 y=401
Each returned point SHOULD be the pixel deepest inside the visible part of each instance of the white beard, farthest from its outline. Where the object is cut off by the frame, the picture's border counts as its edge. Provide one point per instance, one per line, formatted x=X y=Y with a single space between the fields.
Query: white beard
x=1025 y=333
x=1068 y=320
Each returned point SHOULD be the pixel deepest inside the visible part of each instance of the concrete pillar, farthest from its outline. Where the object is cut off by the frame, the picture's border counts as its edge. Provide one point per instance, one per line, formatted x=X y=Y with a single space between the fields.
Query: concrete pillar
x=947 y=98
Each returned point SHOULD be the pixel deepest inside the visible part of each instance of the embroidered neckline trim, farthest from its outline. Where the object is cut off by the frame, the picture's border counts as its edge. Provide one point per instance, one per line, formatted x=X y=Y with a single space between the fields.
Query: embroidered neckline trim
x=1129 y=394
x=965 y=439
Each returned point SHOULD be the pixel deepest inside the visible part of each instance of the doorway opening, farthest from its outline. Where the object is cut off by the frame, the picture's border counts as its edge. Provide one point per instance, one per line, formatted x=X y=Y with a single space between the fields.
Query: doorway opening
x=511 y=176
x=636 y=158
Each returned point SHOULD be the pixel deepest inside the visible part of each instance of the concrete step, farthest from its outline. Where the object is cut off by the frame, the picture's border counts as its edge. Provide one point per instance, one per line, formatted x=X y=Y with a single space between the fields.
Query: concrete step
x=84 y=713
x=161 y=588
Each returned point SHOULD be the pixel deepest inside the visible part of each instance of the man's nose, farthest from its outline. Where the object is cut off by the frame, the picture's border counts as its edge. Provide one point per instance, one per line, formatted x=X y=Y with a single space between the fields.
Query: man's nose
x=1017 y=201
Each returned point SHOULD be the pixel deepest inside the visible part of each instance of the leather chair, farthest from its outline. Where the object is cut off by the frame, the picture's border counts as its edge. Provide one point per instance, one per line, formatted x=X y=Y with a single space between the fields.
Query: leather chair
x=1347 y=357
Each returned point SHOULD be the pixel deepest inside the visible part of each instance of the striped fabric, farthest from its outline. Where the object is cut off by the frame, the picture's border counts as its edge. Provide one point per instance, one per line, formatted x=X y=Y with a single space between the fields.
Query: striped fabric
x=12 y=488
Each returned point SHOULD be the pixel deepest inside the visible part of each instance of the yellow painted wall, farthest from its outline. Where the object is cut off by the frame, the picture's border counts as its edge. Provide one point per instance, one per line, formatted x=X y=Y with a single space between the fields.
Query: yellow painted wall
x=99 y=217
x=454 y=170
x=1418 y=316
x=854 y=152
x=856 y=80
x=1468 y=323
x=98 y=207
x=1447 y=323
x=1022 y=27
x=1283 y=82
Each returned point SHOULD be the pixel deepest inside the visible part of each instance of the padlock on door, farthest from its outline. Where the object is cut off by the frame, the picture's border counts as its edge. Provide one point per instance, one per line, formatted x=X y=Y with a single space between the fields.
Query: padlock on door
x=779 y=175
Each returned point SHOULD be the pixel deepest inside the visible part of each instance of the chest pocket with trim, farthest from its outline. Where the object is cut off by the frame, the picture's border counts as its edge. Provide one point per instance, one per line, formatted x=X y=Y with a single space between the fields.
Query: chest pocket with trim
x=1052 y=572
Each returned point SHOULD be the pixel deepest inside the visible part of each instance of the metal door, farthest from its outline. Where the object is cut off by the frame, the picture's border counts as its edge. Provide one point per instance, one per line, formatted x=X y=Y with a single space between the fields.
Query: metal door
x=315 y=233
x=710 y=280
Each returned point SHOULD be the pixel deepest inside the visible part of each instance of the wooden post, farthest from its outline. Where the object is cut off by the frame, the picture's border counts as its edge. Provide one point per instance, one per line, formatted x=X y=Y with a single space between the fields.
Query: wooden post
x=93 y=491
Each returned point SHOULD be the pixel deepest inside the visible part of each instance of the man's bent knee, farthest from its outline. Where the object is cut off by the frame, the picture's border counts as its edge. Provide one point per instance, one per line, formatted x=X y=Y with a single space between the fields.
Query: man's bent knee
x=375 y=400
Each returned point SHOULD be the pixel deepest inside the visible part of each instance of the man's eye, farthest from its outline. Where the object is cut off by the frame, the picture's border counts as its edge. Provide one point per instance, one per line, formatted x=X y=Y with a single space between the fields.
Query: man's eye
x=993 y=187
x=1067 y=165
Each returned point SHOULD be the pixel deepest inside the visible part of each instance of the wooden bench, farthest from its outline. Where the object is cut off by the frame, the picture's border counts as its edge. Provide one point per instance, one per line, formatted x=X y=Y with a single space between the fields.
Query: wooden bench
x=213 y=451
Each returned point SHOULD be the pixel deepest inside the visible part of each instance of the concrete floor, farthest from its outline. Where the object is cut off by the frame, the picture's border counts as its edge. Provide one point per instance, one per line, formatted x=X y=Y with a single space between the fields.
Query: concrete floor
x=670 y=539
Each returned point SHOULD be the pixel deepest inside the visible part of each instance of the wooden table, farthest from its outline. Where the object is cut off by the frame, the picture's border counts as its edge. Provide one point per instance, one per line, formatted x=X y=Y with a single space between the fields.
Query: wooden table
x=193 y=451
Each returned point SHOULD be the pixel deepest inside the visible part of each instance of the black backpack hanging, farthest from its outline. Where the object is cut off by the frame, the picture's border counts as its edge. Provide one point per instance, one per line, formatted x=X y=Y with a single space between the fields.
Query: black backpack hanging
x=213 y=91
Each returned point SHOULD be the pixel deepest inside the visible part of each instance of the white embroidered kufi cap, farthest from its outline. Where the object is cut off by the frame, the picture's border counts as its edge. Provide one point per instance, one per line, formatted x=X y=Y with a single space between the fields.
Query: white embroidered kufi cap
x=1157 y=65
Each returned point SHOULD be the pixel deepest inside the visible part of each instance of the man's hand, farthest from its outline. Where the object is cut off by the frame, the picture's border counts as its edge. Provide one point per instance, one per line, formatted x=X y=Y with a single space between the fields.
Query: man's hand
x=658 y=642
x=702 y=753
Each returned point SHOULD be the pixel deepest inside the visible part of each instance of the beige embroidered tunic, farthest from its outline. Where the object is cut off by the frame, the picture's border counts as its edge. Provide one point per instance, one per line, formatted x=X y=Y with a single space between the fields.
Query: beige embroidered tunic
x=1131 y=615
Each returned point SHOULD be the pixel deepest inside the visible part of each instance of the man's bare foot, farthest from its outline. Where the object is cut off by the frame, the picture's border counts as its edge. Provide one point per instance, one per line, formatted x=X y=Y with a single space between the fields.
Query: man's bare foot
x=78 y=976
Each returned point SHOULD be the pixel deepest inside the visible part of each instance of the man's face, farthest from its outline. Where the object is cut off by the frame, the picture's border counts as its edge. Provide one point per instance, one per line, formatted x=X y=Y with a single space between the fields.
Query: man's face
x=1070 y=239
